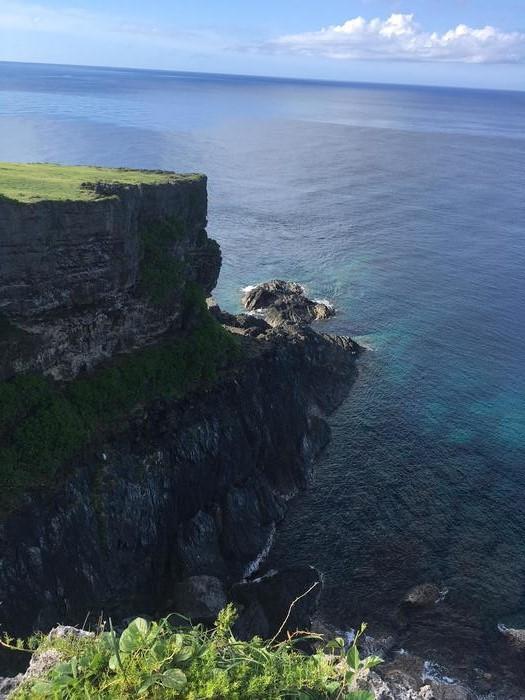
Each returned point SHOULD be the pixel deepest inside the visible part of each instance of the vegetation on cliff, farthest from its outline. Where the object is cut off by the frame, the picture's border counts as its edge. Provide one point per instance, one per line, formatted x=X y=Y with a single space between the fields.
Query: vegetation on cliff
x=33 y=182
x=161 y=274
x=44 y=423
x=163 y=660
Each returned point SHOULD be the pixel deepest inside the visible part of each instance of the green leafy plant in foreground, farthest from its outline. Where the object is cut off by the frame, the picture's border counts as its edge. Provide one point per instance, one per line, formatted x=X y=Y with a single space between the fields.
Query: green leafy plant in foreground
x=162 y=660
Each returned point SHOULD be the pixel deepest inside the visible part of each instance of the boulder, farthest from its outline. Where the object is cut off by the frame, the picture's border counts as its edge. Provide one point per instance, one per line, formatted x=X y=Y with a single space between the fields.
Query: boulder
x=423 y=595
x=406 y=677
x=284 y=302
x=200 y=598
x=264 y=602
x=9 y=685
x=515 y=637
x=63 y=631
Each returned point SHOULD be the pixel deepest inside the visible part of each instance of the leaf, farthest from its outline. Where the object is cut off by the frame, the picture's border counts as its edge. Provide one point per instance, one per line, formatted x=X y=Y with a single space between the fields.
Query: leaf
x=183 y=655
x=106 y=641
x=42 y=689
x=74 y=667
x=64 y=668
x=335 y=644
x=332 y=686
x=147 y=685
x=176 y=643
x=372 y=661
x=134 y=636
x=352 y=658
x=141 y=625
x=174 y=678
x=159 y=651
x=113 y=663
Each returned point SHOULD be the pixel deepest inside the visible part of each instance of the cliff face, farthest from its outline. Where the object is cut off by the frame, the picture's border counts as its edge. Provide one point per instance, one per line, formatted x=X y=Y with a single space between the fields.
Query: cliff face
x=70 y=273
x=192 y=487
x=136 y=504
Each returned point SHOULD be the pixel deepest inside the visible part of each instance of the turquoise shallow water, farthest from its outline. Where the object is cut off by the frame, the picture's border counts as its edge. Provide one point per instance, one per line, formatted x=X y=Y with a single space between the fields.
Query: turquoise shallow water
x=406 y=207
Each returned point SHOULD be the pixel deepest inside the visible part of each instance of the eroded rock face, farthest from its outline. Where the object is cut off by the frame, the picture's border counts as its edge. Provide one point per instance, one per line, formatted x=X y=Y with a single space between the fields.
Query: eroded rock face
x=191 y=487
x=180 y=500
x=285 y=302
x=70 y=274
x=200 y=598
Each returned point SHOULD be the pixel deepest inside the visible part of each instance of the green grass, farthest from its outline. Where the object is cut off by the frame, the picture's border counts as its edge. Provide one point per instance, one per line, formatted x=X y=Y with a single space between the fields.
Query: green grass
x=161 y=275
x=43 y=423
x=33 y=182
x=162 y=660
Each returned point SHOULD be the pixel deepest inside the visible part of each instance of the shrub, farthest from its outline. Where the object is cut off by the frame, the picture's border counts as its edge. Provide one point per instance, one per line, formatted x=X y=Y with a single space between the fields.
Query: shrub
x=160 y=273
x=162 y=660
x=44 y=423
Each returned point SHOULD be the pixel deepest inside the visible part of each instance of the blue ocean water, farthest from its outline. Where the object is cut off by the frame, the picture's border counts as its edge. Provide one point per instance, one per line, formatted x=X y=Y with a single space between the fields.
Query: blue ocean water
x=406 y=207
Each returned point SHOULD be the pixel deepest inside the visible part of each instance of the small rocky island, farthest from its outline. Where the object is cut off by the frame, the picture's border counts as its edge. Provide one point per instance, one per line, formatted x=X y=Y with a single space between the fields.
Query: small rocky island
x=281 y=302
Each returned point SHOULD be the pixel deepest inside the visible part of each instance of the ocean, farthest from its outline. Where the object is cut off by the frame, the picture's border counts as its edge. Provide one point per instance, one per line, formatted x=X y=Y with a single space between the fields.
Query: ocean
x=405 y=207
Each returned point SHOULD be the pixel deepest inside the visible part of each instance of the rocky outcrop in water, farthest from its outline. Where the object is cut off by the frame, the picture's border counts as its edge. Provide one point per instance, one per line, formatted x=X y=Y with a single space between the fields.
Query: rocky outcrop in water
x=285 y=302
x=423 y=595
x=72 y=275
x=514 y=637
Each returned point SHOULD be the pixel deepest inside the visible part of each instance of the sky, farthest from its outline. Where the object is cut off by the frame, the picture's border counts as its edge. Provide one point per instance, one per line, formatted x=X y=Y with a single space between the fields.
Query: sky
x=468 y=43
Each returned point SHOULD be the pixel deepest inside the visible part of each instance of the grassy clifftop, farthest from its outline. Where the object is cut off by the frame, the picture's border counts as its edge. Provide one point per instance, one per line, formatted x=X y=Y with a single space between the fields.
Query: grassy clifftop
x=34 y=182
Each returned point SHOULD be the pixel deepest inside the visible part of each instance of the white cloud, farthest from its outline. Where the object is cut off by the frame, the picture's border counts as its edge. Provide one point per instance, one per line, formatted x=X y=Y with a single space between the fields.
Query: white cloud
x=400 y=38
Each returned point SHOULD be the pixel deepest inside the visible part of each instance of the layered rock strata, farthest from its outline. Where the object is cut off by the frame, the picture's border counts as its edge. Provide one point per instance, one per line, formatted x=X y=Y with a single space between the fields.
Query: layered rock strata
x=71 y=291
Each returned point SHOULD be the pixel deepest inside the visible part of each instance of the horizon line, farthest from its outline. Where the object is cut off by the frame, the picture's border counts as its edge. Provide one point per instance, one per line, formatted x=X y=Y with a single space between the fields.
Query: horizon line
x=331 y=81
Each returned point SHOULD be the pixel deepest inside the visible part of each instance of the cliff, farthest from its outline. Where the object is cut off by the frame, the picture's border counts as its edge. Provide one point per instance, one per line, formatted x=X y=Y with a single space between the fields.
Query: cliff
x=148 y=445
x=84 y=279
x=190 y=487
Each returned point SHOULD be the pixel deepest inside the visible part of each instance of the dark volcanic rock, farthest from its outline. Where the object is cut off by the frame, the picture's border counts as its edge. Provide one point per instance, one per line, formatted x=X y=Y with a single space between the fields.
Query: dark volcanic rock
x=264 y=603
x=70 y=274
x=285 y=302
x=514 y=637
x=191 y=487
x=247 y=323
x=423 y=595
x=183 y=495
x=200 y=598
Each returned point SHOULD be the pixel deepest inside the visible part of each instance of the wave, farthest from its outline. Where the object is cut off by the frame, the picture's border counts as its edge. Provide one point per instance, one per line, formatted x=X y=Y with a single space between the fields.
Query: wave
x=254 y=565
x=326 y=302
x=434 y=672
